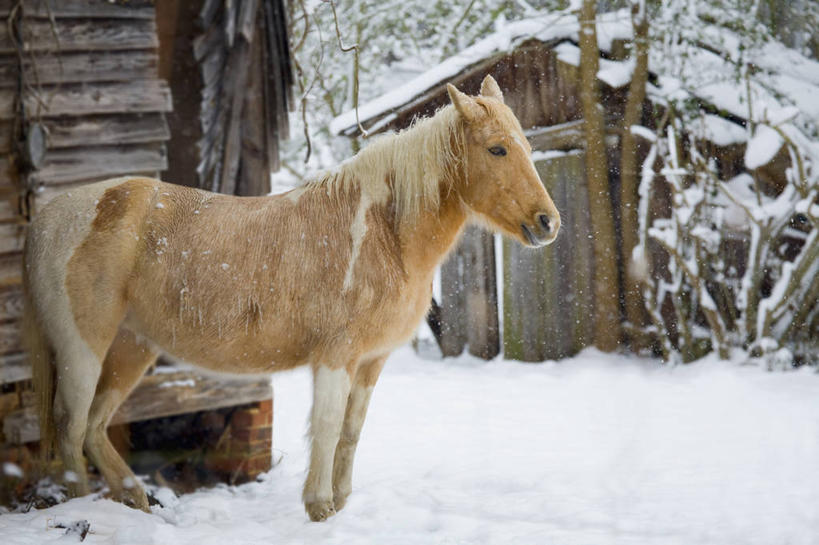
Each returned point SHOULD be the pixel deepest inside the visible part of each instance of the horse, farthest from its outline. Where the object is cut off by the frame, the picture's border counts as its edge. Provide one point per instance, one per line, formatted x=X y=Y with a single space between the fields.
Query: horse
x=334 y=274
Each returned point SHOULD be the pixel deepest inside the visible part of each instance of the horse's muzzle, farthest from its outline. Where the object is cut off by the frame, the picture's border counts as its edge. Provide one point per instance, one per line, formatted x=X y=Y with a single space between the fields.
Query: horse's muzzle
x=542 y=232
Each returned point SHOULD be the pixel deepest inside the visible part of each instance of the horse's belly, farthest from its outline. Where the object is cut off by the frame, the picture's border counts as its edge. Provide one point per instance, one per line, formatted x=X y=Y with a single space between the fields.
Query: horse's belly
x=221 y=349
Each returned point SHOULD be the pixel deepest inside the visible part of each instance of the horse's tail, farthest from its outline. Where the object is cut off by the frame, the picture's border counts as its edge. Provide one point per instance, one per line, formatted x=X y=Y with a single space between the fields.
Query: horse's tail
x=42 y=370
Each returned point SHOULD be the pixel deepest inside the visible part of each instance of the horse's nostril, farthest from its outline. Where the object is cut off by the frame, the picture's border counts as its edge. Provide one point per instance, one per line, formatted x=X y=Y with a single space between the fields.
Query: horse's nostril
x=544 y=221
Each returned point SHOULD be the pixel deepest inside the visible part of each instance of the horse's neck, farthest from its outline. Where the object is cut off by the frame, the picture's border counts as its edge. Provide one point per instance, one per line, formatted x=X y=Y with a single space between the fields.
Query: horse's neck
x=426 y=242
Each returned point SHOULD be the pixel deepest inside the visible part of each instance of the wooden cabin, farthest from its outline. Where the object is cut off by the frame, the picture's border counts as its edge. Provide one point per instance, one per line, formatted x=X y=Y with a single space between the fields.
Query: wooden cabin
x=196 y=93
x=546 y=303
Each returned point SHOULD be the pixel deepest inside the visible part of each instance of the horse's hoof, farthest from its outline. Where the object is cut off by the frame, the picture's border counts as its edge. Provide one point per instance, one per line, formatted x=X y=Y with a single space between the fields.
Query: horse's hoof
x=320 y=510
x=137 y=500
x=340 y=500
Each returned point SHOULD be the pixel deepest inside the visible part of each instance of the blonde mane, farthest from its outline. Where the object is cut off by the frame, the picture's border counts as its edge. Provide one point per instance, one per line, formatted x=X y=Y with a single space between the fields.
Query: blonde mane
x=415 y=161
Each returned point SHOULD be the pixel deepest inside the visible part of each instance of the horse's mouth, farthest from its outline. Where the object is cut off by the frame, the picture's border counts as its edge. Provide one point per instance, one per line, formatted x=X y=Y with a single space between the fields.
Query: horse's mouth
x=535 y=240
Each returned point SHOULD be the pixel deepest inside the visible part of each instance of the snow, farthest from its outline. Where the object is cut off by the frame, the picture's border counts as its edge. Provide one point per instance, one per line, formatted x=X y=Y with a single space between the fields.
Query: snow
x=720 y=131
x=741 y=188
x=763 y=147
x=12 y=470
x=598 y=449
x=548 y=155
x=643 y=132
x=615 y=74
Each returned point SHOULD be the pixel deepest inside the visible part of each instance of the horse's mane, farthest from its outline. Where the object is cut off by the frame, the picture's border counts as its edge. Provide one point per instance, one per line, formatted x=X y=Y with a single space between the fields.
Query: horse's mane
x=415 y=161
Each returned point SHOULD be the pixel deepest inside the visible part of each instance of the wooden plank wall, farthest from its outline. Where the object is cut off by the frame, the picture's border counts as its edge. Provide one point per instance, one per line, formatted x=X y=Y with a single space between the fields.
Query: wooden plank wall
x=469 y=298
x=547 y=296
x=95 y=88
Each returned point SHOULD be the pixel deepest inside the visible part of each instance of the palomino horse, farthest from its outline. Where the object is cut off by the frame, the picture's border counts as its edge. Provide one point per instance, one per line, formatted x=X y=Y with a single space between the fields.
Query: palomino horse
x=335 y=274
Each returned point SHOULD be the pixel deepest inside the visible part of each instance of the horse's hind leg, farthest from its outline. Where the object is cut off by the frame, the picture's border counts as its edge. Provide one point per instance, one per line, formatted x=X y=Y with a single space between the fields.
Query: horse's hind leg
x=77 y=369
x=359 y=400
x=127 y=360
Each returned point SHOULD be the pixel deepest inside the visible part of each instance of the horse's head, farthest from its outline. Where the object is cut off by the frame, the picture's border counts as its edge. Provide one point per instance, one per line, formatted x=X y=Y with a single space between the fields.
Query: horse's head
x=501 y=183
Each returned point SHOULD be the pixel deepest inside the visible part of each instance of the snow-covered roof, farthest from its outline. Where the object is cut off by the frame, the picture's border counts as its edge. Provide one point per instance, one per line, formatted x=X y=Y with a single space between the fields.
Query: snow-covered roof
x=546 y=28
x=784 y=85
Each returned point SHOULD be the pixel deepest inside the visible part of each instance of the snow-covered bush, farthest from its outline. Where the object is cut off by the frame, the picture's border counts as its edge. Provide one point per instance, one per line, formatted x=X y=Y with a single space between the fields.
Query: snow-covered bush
x=734 y=262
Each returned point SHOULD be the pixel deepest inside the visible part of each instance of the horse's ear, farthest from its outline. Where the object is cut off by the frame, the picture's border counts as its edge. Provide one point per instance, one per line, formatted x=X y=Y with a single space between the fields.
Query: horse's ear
x=465 y=105
x=490 y=88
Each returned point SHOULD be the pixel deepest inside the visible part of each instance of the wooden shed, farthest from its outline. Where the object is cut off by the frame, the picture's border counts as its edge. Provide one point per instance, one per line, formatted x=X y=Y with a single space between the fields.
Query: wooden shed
x=193 y=92
x=546 y=303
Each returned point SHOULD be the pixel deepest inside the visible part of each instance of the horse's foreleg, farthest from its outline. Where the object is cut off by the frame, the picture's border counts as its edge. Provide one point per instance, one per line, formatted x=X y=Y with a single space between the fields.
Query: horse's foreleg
x=126 y=362
x=357 y=404
x=331 y=388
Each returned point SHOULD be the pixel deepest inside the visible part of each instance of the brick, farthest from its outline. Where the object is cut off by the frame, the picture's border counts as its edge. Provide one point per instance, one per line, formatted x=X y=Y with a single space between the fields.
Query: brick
x=251 y=418
x=245 y=448
x=258 y=464
x=266 y=406
x=251 y=434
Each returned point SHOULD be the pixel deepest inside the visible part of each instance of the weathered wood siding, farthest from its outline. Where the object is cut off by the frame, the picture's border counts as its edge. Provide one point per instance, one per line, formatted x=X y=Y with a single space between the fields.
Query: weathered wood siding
x=469 y=299
x=229 y=68
x=95 y=88
x=548 y=300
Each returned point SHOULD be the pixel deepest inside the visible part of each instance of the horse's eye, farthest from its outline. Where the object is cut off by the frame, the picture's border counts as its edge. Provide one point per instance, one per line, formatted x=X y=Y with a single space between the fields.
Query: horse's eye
x=497 y=150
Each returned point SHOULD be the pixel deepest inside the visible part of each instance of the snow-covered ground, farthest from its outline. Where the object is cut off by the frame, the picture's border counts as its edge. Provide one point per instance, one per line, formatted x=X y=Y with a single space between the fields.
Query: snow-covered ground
x=595 y=450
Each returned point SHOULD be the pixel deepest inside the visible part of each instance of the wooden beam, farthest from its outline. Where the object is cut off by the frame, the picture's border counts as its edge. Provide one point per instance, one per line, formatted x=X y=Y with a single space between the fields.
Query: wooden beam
x=453 y=317
x=84 y=35
x=566 y=136
x=480 y=283
x=10 y=341
x=14 y=368
x=563 y=137
x=234 y=94
x=12 y=237
x=87 y=9
x=82 y=67
x=99 y=130
x=74 y=165
x=11 y=268
x=157 y=396
x=254 y=169
x=11 y=302
x=21 y=426
x=8 y=207
x=140 y=96
x=167 y=394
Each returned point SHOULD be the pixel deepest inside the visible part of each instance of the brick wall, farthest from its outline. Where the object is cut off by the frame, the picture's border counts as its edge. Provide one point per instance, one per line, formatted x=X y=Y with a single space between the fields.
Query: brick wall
x=244 y=449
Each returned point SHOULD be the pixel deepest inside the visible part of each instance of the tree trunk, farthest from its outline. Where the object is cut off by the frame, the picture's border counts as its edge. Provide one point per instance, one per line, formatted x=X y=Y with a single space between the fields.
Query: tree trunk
x=635 y=309
x=607 y=315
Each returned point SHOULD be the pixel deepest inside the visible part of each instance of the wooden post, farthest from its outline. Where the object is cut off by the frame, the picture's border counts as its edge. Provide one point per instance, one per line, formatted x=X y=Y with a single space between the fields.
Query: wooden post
x=548 y=293
x=469 y=300
x=453 y=304
x=482 y=330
